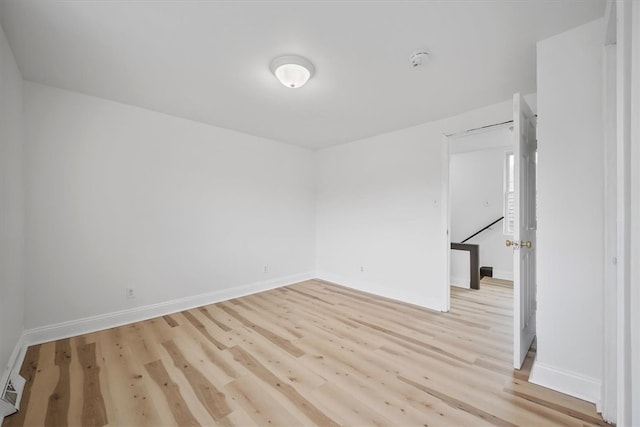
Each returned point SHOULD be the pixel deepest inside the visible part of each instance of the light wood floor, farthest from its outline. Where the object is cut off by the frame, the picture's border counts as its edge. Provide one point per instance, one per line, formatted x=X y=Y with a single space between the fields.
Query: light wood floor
x=310 y=353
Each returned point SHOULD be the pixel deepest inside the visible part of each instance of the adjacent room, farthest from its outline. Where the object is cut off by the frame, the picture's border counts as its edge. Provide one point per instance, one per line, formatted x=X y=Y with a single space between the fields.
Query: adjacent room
x=319 y=213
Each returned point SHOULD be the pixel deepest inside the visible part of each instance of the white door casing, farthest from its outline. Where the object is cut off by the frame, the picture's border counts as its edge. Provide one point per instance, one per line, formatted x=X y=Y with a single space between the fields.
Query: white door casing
x=524 y=253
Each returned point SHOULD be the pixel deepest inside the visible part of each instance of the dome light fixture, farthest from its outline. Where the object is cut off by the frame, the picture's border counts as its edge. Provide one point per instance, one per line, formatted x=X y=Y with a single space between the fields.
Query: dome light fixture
x=292 y=71
x=418 y=58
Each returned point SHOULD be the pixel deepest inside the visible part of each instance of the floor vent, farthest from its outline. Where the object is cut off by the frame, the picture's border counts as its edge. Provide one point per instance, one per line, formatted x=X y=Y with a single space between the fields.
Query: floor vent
x=11 y=395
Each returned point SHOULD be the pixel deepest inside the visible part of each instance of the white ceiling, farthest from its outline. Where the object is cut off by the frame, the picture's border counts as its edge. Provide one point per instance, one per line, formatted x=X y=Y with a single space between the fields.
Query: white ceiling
x=209 y=61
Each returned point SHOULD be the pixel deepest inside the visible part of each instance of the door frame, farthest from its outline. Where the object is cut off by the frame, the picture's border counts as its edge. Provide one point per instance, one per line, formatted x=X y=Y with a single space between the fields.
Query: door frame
x=447 y=141
x=622 y=351
x=608 y=405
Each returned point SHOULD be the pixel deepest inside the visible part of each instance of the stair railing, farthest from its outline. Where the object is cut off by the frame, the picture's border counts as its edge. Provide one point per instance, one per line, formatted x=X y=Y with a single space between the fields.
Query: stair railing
x=474 y=255
x=482 y=229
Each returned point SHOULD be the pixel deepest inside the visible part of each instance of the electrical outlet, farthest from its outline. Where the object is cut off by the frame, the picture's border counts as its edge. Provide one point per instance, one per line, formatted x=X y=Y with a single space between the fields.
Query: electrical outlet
x=266 y=269
x=361 y=269
x=130 y=293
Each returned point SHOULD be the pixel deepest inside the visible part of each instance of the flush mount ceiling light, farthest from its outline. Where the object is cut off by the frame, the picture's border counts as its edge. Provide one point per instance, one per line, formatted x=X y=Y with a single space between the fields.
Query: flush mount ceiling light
x=292 y=71
x=418 y=58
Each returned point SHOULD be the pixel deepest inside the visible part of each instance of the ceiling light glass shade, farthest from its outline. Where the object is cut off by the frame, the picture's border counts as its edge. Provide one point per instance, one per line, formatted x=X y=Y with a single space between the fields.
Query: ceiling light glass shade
x=292 y=71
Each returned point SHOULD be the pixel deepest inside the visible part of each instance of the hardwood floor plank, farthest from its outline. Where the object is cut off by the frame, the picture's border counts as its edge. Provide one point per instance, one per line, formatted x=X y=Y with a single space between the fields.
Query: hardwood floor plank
x=218 y=359
x=266 y=376
x=176 y=403
x=222 y=317
x=58 y=407
x=123 y=385
x=413 y=341
x=203 y=330
x=215 y=321
x=260 y=404
x=454 y=403
x=170 y=321
x=379 y=392
x=308 y=295
x=239 y=417
x=279 y=362
x=43 y=385
x=284 y=343
x=76 y=382
x=212 y=398
x=347 y=409
x=580 y=410
x=262 y=309
x=93 y=410
x=550 y=416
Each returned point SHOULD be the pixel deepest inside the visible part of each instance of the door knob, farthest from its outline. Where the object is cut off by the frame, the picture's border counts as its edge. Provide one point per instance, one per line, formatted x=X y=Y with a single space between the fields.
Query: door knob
x=526 y=244
x=510 y=243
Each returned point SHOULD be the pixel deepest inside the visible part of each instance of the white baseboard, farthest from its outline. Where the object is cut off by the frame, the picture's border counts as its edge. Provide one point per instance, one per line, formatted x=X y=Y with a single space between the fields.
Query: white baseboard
x=436 y=304
x=110 y=320
x=503 y=274
x=571 y=383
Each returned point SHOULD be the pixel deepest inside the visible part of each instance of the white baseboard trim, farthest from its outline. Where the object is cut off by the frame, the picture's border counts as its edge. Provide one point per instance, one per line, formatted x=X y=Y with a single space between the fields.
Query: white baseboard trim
x=503 y=274
x=118 y=318
x=571 y=383
x=436 y=304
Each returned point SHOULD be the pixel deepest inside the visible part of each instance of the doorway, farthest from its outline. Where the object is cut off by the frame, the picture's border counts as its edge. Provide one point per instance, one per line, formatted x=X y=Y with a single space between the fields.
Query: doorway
x=481 y=190
x=522 y=219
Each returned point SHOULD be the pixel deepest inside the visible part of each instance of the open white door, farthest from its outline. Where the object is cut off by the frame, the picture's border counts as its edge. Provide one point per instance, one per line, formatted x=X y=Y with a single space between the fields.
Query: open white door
x=524 y=236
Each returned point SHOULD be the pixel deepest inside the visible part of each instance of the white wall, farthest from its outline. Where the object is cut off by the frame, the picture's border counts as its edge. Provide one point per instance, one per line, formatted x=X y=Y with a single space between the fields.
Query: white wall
x=570 y=211
x=121 y=197
x=11 y=206
x=379 y=207
x=476 y=181
x=459 y=267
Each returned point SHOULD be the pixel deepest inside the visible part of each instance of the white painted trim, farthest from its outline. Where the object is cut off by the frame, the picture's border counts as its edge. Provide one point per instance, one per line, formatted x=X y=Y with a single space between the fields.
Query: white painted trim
x=382 y=291
x=571 y=383
x=123 y=317
x=634 y=232
x=610 y=23
x=608 y=404
x=503 y=274
x=446 y=225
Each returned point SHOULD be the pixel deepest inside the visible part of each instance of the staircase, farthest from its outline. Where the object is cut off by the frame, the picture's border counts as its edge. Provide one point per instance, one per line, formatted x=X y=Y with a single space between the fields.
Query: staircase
x=474 y=256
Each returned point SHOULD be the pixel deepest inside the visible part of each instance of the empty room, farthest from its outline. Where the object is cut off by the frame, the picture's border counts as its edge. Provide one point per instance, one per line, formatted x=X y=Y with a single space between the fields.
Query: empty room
x=292 y=213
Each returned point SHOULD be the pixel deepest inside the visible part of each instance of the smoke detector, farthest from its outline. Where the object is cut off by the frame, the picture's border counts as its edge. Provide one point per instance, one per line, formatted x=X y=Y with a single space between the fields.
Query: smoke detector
x=418 y=58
